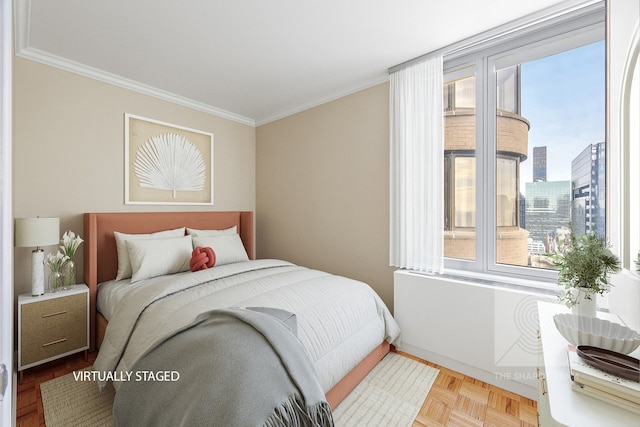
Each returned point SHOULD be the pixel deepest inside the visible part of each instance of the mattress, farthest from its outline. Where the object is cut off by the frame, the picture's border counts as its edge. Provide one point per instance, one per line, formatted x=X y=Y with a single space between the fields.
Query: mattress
x=340 y=320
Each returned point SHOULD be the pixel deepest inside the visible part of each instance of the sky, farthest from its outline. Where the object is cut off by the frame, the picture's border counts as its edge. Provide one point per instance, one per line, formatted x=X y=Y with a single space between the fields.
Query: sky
x=563 y=97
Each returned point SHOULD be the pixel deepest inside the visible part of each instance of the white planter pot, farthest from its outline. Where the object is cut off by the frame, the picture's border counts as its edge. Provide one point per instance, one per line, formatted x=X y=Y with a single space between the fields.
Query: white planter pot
x=586 y=302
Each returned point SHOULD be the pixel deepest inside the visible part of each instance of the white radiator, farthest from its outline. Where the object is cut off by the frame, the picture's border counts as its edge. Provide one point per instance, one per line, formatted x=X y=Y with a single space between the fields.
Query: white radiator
x=484 y=330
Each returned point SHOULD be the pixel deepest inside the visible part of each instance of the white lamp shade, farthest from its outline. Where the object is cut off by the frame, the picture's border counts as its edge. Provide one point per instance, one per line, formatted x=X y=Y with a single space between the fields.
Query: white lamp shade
x=34 y=232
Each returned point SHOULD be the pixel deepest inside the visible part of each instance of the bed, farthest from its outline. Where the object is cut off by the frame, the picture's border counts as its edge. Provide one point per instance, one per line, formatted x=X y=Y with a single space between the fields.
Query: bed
x=342 y=349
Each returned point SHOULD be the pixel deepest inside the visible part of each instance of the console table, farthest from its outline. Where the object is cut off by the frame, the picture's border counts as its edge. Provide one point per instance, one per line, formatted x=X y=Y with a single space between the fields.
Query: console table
x=558 y=404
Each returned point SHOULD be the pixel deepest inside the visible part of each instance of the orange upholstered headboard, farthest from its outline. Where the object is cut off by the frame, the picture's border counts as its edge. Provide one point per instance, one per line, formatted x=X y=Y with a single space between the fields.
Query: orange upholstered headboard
x=100 y=255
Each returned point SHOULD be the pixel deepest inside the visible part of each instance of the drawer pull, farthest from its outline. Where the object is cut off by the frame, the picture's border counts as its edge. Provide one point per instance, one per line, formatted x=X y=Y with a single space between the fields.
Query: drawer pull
x=54 y=342
x=54 y=314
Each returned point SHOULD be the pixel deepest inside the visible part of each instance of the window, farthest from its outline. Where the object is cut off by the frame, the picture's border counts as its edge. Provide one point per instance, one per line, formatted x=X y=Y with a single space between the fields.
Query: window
x=507 y=192
x=460 y=164
x=524 y=148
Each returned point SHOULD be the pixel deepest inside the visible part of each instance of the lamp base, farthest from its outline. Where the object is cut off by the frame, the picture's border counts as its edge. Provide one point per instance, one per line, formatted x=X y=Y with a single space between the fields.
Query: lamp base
x=37 y=272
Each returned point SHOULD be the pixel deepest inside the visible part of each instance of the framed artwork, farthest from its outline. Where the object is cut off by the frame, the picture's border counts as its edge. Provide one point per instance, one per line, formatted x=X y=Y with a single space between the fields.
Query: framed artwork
x=167 y=164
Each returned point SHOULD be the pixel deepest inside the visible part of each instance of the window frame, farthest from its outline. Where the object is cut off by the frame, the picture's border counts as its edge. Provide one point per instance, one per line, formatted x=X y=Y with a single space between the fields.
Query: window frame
x=516 y=207
x=451 y=219
x=530 y=42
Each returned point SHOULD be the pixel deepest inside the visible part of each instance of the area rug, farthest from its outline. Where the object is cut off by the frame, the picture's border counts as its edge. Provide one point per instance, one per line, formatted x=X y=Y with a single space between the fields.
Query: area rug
x=390 y=395
x=70 y=402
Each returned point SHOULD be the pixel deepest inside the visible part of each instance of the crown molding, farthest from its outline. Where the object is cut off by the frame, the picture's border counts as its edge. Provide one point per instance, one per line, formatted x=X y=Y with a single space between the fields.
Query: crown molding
x=22 y=14
x=97 y=74
x=349 y=90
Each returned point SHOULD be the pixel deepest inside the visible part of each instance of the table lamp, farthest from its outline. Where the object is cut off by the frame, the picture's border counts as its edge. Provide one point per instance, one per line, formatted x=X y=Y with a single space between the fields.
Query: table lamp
x=30 y=232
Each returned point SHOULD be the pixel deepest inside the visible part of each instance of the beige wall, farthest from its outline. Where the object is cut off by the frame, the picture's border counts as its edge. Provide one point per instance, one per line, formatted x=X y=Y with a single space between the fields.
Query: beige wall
x=68 y=151
x=323 y=189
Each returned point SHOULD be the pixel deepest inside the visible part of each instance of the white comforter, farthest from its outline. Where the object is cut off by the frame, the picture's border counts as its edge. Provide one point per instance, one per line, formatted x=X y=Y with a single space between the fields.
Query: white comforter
x=340 y=320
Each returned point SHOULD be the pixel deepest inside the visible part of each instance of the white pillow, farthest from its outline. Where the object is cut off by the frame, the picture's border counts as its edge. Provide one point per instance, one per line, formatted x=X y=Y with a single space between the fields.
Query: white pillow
x=157 y=257
x=228 y=248
x=226 y=231
x=124 y=265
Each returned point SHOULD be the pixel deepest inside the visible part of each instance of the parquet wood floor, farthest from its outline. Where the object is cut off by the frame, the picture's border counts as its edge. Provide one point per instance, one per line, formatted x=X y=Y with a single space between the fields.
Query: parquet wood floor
x=454 y=399
x=29 y=412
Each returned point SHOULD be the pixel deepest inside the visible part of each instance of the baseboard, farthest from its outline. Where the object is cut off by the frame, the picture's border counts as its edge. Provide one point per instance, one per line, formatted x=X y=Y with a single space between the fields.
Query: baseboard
x=504 y=380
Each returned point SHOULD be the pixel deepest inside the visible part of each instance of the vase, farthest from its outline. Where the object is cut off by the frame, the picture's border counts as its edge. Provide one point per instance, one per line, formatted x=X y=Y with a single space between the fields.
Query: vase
x=56 y=279
x=585 y=302
x=69 y=275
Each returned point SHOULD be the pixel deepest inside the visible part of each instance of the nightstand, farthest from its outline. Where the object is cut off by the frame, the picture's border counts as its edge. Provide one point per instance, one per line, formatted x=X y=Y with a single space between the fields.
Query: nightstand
x=52 y=325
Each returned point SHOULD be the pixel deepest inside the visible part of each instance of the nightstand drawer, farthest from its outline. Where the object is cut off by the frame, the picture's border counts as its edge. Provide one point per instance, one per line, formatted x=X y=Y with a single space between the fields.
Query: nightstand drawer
x=53 y=327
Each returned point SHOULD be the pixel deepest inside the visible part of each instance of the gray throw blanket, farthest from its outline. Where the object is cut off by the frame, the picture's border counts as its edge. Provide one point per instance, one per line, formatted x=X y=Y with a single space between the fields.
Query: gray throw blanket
x=236 y=368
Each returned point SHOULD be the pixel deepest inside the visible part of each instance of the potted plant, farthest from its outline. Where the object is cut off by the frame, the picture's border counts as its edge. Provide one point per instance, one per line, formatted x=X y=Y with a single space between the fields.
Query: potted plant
x=583 y=271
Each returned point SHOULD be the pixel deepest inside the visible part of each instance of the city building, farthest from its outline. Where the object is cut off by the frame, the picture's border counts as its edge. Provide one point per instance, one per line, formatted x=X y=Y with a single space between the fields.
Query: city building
x=588 y=190
x=539 y=164
x=548 y=208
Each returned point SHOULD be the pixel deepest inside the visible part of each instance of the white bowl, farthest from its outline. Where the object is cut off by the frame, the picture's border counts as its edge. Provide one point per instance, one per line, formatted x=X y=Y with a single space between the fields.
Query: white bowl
x=583 y=330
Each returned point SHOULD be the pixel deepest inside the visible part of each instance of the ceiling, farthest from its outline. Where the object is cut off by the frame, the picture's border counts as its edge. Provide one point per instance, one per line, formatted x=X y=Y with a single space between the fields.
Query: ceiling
x=252 y=61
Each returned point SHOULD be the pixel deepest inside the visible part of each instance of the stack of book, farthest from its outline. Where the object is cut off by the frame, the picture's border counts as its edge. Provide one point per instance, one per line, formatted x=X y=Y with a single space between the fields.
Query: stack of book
x=594 y=382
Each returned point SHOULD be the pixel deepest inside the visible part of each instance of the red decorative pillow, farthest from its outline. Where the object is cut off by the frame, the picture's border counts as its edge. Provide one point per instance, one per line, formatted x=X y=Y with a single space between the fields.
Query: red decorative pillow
x=202 y=258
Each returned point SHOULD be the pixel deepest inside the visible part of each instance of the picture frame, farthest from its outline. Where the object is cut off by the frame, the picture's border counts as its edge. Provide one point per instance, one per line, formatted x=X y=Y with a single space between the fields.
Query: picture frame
x=166 y=164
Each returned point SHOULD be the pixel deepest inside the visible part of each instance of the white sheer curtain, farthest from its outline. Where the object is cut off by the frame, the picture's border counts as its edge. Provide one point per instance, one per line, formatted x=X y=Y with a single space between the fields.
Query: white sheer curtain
x=417 y=157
